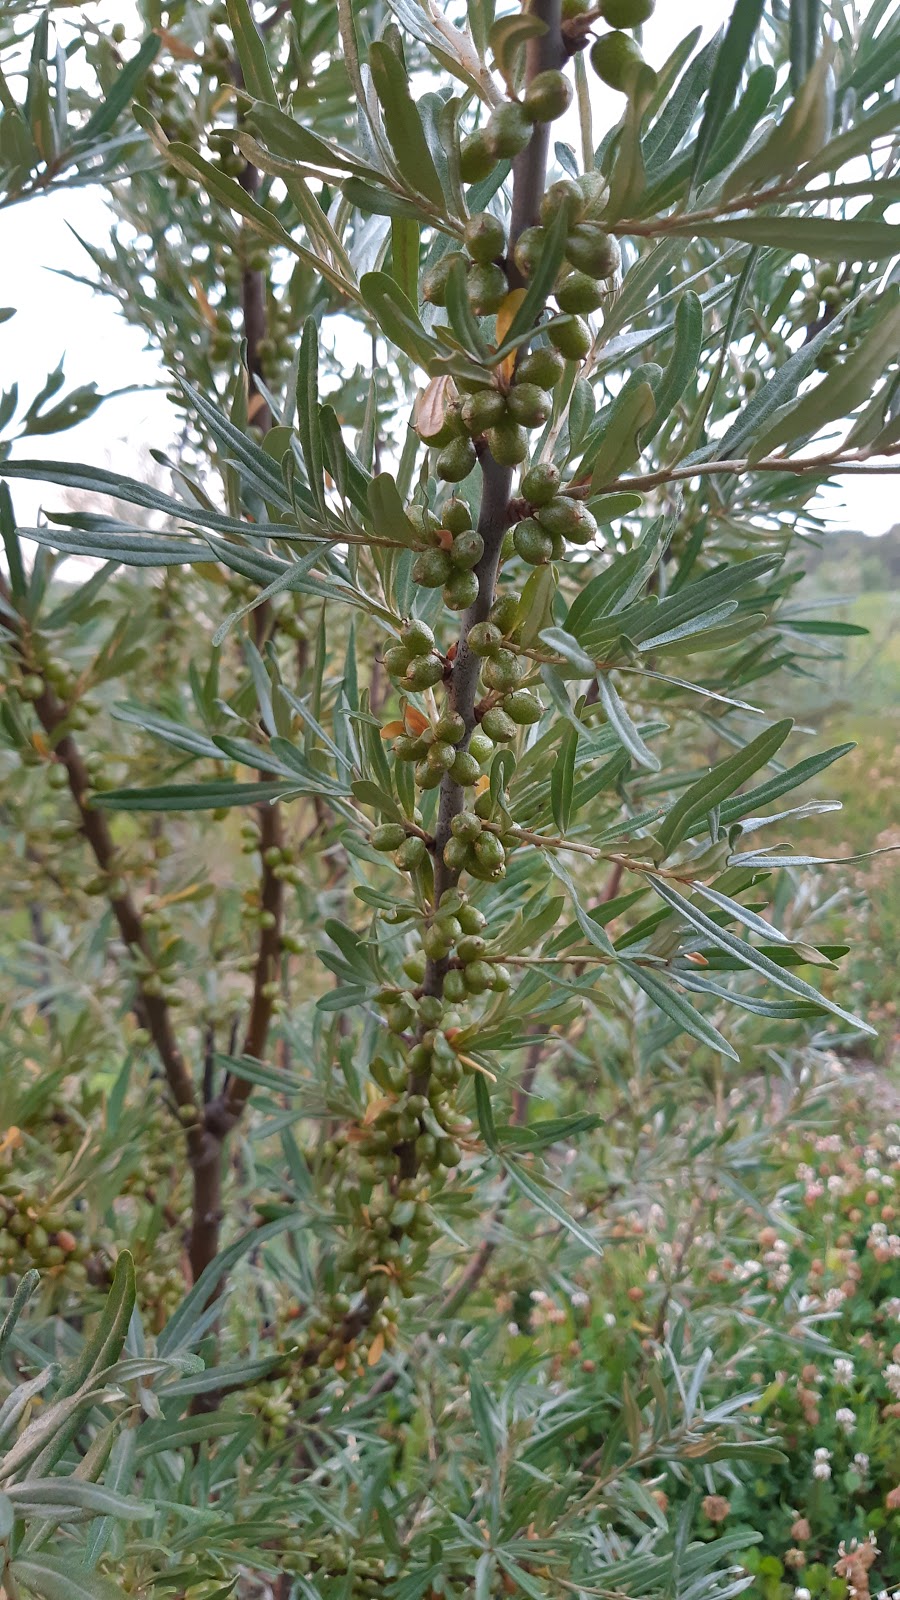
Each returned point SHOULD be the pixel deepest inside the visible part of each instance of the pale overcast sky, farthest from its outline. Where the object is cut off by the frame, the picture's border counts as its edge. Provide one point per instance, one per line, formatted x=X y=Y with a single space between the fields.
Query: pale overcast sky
x=55 y=317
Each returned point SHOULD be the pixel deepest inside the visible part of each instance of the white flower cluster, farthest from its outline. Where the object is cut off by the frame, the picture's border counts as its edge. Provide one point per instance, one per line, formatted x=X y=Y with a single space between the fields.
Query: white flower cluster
x=843 y=1371
x=891 y=1376
x=885 y=1245
x=822 y=1463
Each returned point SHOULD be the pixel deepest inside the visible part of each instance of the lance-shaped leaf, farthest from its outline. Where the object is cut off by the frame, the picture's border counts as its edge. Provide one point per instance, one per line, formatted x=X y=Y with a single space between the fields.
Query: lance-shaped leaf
x=731 y=59
x=251 y=52
x=403 y=123
x=397 y=317
x=749 y=958
x=681 y=368
x=822 y=238
x=624 y=728
x=551 y=1207
x=720 y=783
x=120 y=94
x=677 y=1008
x=614 y=443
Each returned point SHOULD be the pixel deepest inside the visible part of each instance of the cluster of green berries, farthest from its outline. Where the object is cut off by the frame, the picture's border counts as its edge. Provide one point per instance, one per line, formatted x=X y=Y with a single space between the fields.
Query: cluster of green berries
x=509 y=127
x=553 y=518
x=592 y=256
x=453 y=549
x=35 y=1234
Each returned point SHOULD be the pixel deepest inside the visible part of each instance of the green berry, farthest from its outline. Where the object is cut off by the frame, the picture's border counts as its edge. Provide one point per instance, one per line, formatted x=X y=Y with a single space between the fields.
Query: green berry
x=568 y=517
x=533 y=543
x=471 y=919
x=436 y=279
x=477 y=158
x=615 y=58
x=435 y=943
x=485 y=237
x=486 y=287
x=465 y=825
x=479 y=974
x=454 y=983
x=414 y=966
x=467 y=549
x=427 y=776
x=548 y=96
x=508 y=131
x=565 y=192
x=461 y=589
x=571 y=336
x=406 y=748
x=411 y=853
x=456 y=516
x=508 y=443
x=543 y=366
x=504 y=613
x=472 y=946
x=540 y=483
x=530 y=405
x=424 y=672
x=431 y=568
x=450 y=725
x=441 y=754
x=529 y=251
x=418 y=638
x=484 y=639
x=455 y=855
x=503 y=670
x=448 y=1152
x=524 y=707
x=389 y=836
x=591 y=249
x=480 y=746
x=456 y=460
x=498 y=726
x=483 y=410
x=465 y=769
x=397 y=659
x=578 y=293
x=627 y=13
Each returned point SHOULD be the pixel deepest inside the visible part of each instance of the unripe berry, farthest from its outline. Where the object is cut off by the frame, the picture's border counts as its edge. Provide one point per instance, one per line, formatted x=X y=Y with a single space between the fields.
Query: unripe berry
x=627 y=13
x=465 y=825
x=503 y=670
x=434 y=283
x=504 y=613
x=406 y=748
x=436 y=944
x=533 y=543
x=456 y=516
x=472 y=946
x=450 y=725
x=481 y=746
x=508 y=443
x=591 y=249
x=508 y=131
x=498 y=726
x=471 y=919
x=476 y=158
x=417 y=638
x=540 y=483
x=484 y=639
x=389 y=836
x=477 y=976
x=461 y=589
x=530 y=247
x=442 y=754
x=485 y=237
x=448 y=1152
x=571 y=336
x=456 y=460
x=487 y=288
x=615 y=58
x=427 y=776
x=523 y=707
x=529 y=405
x=578 y=293
x=548 y=96
x=431 y=568
x=454 y=983
x=565 y=192
x=414 y=966
x=483 y=410
x=423 y=672
x=467 y=549
x=543 y=366
x=568 y=517
x=501 y=980
x=465 y=769
x=455 y=855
